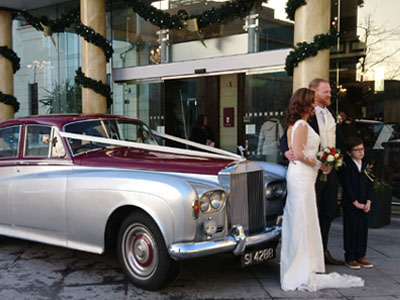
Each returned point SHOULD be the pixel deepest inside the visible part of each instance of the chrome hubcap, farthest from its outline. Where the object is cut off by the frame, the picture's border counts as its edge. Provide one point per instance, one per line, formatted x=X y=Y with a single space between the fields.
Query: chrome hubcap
x=140 y=253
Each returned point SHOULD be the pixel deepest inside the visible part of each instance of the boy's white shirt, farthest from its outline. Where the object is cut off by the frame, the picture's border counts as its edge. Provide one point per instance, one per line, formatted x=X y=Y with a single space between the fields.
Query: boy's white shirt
x=358 y=164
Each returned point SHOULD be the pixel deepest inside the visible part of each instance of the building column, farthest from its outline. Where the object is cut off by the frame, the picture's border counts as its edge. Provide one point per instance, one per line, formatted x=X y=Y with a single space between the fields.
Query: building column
x=93 y=14
x=6 y=68
x=310 y=20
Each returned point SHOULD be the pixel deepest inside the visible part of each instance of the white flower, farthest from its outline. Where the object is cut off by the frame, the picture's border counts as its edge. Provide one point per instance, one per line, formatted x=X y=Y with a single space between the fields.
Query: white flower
x=320 y=153
x=330 y=158
x=327 y=150
x=339 y=163
x=337 y=155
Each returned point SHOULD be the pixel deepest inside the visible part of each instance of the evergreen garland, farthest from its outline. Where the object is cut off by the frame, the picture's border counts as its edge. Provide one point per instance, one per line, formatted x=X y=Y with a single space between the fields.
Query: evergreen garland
x=12 y=56
x=157 y=17
x=95 y=38
x=58 y=25
x=9 y=100
x=96 y=85
x=292 y=6
x=305 y=50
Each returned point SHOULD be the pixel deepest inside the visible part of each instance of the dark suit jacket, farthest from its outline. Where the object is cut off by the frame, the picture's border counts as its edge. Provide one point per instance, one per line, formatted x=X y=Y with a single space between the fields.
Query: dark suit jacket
x=356 y=185
x=340 y=141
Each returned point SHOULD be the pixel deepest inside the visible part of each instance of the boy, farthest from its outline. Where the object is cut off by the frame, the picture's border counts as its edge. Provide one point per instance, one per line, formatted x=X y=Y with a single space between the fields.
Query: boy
x=356 y=201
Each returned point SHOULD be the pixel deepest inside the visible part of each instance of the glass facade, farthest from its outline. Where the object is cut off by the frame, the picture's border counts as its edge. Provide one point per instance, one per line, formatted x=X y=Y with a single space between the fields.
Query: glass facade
x=137 y=42
x=244 y=107
x=268 y=97
x=45 y=82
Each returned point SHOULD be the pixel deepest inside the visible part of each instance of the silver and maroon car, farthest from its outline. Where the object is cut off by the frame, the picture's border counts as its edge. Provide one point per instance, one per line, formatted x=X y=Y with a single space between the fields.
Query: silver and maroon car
x=89 y=182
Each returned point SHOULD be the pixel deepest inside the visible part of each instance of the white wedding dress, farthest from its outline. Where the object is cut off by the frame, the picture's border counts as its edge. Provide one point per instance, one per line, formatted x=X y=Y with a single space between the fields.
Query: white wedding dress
x=302 y=254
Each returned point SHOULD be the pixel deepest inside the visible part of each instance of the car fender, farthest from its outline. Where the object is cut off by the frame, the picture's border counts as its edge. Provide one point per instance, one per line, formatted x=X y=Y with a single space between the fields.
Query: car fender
x=93 y=194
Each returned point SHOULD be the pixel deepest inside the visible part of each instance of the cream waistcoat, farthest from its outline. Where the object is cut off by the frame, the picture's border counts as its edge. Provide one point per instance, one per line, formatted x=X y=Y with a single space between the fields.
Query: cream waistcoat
x=327 y=129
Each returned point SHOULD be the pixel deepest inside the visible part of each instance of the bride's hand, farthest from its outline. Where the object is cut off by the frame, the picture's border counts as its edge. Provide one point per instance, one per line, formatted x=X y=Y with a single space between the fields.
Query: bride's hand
x=326 y=169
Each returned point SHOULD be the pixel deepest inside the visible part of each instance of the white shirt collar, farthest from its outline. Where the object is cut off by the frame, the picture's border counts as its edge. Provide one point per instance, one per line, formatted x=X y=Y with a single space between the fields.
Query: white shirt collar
x=358 y=164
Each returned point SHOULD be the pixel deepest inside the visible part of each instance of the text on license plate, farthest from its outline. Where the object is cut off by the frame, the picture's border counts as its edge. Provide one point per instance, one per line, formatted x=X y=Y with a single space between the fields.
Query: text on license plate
x=257 y=256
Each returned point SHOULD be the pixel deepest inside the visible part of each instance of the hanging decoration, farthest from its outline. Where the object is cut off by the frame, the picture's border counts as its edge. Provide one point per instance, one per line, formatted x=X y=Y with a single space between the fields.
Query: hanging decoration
x=305 y=50
x=11 y=56
x=96 y=85
x=292 y=6
x=157 y=17
x=191 y=24
x=9 y=100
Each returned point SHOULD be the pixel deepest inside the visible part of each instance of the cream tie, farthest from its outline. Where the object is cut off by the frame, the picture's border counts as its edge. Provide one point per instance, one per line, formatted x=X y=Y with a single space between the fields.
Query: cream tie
x=323 y=115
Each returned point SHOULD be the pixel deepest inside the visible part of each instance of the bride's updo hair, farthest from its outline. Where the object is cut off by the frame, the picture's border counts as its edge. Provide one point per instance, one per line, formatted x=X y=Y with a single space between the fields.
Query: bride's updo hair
x=299 y=105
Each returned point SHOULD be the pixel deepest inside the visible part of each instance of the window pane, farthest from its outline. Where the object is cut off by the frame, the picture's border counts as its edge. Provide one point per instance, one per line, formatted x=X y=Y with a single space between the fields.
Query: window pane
x=37 y=141
x=9 y=141
x=268 y=97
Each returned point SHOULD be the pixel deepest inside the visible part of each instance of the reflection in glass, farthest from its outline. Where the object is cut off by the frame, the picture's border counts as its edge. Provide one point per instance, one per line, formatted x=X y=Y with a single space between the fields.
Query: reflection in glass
x=268 y=97
x=137 y=42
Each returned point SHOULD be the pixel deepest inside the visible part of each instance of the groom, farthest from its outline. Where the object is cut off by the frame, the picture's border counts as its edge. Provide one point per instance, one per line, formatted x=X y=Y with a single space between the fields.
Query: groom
x=323 y=123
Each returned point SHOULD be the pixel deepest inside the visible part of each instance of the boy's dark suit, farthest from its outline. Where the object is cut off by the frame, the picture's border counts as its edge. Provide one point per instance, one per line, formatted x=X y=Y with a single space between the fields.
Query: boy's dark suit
x=326 y=192
x=356 y=186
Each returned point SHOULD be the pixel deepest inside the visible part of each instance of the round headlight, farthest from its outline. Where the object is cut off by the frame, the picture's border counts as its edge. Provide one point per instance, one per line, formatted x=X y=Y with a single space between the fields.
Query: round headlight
x=268 y=191
x=216 y=200
x=279 y=190
x=275 y=190
x=204 y=203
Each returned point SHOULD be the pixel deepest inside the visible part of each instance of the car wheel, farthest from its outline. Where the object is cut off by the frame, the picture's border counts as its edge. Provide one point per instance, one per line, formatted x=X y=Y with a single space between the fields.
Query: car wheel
x=143 y=254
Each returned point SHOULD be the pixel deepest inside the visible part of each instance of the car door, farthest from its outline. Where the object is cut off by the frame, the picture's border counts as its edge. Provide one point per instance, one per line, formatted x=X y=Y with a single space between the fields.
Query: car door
x=9 y=145
x=38 y=192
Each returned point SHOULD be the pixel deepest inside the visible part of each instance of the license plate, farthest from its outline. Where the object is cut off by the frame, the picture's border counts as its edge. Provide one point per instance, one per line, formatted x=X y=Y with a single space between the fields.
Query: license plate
x=258 y=256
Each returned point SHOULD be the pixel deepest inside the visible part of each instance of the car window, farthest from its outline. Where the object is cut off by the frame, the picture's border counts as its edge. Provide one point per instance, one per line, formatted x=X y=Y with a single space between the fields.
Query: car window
x=125 y=130
x=37 y=141
x=9 y=141
x=135 y=132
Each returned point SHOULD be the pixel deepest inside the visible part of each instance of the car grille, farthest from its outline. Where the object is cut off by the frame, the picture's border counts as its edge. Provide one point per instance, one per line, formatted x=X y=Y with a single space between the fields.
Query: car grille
x=246 y=205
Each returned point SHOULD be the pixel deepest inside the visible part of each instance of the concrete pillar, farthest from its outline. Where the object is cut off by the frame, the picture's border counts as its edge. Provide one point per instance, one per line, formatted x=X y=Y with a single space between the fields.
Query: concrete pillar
x=93 y=14
x=310 y=20
x=6 y=68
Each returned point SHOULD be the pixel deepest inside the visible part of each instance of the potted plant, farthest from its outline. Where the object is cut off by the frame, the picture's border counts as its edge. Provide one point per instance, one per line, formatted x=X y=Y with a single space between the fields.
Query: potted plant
x=381 y=208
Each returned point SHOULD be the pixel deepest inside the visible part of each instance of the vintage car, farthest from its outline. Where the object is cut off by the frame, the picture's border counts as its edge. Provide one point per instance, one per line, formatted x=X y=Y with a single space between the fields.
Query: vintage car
x=89 y=182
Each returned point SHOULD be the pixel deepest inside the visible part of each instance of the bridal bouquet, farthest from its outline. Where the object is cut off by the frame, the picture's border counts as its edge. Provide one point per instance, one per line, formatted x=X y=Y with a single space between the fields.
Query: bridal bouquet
x=330 y=156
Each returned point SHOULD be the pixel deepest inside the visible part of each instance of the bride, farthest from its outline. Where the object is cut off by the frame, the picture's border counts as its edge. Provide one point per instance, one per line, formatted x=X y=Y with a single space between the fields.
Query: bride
x=302 y=257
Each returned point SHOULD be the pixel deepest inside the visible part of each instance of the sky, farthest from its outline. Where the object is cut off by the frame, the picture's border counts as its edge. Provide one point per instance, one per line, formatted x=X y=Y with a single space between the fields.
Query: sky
x=385 y=15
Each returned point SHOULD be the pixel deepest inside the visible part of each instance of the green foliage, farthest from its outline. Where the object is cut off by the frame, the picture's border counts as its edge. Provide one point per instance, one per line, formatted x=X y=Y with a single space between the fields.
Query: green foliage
x=64 y=98
x=157 y=17
x=11 y=56
x=381 y=185
x=9 y=100
x=305 y=50
x=292 y=6
x=96 y=85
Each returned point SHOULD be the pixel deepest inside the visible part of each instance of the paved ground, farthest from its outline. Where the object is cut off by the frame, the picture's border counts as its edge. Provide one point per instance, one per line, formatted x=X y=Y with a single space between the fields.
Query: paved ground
x=34 y=271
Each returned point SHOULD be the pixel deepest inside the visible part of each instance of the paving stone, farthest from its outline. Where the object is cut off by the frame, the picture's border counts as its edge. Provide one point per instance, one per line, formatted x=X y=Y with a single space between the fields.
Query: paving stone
x=97 y=292
x=40 y=272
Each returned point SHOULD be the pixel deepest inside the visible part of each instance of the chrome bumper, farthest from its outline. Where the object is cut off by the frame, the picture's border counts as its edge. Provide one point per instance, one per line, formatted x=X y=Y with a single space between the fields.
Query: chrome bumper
x=236 y=243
